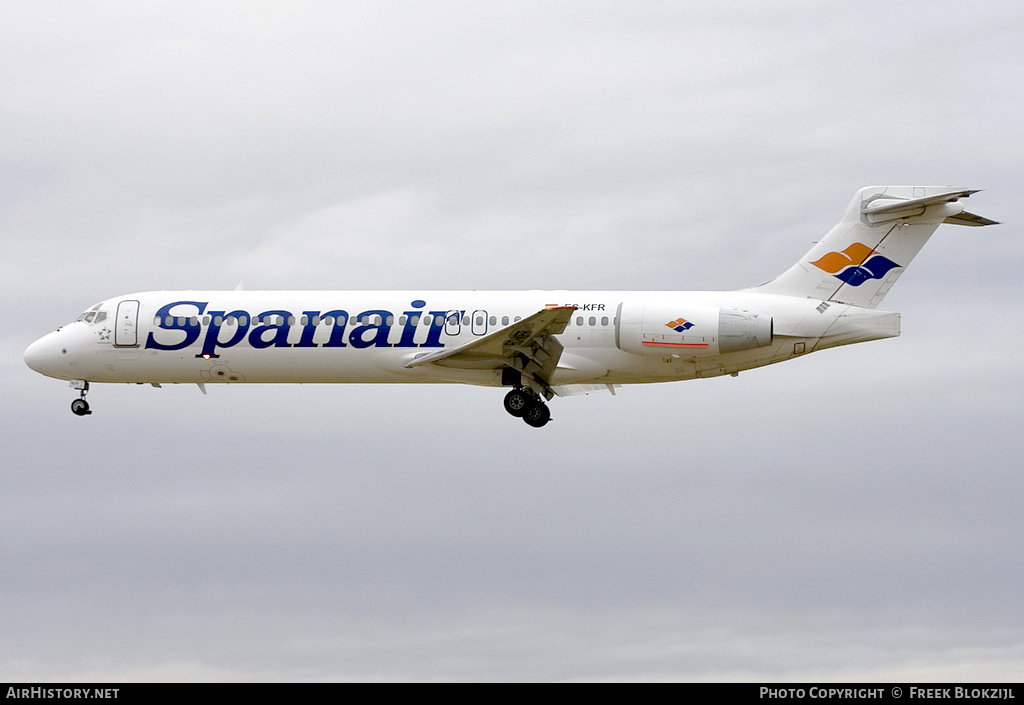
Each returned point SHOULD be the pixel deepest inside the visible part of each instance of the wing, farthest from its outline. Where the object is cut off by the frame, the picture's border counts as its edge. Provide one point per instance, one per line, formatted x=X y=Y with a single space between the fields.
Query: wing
x=528 y=345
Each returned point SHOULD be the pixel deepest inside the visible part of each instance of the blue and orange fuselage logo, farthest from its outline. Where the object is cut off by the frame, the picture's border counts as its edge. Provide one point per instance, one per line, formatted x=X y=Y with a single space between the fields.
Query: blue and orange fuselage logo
x=680 y=325
x=856 y=265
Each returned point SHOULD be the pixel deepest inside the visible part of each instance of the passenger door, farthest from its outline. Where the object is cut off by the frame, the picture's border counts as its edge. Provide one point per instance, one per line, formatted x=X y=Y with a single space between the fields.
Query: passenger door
x=126 y=324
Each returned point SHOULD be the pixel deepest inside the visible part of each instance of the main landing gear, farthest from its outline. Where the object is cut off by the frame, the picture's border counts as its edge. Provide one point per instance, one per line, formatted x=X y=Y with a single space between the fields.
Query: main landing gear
x=527 y=406
x=80 y=407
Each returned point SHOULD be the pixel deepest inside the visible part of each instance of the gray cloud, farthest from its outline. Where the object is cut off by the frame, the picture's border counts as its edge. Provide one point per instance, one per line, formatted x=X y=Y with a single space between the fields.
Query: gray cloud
x=853 y=515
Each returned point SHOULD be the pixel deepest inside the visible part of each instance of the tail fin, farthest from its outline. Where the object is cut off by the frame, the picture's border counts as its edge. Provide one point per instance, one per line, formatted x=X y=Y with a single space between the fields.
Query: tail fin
x=882 y=230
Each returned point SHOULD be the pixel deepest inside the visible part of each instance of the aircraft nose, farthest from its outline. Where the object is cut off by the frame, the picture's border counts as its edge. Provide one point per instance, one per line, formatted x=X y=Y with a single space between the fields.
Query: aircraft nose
x=44 y=355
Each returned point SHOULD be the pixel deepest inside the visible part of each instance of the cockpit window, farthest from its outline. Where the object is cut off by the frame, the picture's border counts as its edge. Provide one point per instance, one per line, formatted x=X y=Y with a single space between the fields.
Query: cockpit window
x=93 y=315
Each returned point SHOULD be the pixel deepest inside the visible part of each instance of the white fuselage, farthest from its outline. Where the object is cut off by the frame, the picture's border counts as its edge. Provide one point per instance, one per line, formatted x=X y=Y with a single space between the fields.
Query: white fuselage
x=371 y=336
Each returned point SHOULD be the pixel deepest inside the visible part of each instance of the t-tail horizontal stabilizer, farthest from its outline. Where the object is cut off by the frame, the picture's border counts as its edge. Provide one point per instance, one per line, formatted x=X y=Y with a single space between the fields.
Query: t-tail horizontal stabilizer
x=882 y=230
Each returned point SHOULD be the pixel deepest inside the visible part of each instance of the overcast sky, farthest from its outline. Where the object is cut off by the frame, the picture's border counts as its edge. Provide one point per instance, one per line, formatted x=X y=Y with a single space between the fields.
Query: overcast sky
x=852 y=515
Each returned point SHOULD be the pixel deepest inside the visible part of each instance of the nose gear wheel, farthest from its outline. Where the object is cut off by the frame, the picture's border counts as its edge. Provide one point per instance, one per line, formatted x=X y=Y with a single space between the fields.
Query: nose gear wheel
x=80 y=407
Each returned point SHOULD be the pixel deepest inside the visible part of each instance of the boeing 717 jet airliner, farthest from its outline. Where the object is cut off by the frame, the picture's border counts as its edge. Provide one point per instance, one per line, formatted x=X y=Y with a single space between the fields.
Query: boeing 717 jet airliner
x=538 y=344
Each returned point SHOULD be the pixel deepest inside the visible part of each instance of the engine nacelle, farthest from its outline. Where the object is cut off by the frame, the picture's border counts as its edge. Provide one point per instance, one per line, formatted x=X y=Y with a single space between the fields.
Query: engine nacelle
x=690 y=330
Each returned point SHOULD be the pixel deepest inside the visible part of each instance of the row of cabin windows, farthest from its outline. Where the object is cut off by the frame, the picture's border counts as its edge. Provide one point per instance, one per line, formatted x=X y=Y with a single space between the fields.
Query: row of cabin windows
x=330 y=320
x=317 y=320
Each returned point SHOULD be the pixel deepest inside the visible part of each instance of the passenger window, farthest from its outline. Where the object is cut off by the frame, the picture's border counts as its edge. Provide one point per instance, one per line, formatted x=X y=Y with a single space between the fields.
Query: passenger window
x=604 y=320
x=579 y=320
x=592 y=321
x=494 y=320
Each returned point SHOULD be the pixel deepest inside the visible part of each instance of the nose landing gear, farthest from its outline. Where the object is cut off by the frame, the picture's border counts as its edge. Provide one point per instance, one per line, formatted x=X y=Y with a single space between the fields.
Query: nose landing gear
x=527 y=406
x=80 y=407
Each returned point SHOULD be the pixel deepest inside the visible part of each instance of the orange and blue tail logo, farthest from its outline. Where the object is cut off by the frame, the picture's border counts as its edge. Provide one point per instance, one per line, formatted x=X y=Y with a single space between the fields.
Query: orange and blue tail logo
x=679 y=325
x=855 y=265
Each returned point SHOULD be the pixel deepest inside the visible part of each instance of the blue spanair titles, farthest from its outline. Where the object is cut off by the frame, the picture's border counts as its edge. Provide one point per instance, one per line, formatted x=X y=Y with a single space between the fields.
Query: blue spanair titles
x=192 y=323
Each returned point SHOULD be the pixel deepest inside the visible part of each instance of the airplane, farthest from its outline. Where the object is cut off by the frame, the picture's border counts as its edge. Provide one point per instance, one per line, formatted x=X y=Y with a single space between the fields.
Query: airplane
x=537 y=344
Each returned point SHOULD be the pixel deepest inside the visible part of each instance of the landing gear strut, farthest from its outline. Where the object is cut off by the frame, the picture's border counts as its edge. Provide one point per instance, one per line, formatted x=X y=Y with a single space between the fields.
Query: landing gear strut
x=80 y=407
x=527 y=406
